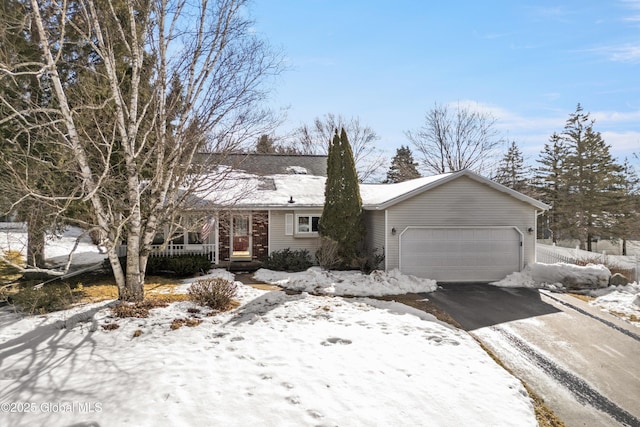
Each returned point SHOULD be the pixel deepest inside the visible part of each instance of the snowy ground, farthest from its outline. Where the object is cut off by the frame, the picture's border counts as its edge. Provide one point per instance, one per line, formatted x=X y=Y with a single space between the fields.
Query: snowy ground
x=57 y=248
x=275 y=360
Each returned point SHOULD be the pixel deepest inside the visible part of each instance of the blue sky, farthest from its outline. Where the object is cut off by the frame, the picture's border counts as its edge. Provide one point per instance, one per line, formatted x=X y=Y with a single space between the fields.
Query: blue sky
x=529 y=63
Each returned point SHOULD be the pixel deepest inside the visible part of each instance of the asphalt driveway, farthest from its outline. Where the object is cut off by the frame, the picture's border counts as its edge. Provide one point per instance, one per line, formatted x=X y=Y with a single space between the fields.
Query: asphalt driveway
x=582 y=361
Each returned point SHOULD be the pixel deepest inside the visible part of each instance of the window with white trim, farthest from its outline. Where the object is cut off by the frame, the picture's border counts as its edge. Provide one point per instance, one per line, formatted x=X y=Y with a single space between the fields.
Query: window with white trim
x=307 y=224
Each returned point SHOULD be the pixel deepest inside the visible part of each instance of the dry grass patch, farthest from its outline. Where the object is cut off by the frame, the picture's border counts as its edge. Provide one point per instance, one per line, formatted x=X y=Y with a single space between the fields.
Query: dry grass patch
x=110 y=326
x=190 y=322
x=585 y=298
x=104 y=289
x=628 y=316
x=137 y=309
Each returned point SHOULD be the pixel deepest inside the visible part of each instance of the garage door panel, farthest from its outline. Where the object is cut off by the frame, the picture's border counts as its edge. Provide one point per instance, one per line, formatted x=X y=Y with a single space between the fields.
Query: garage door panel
x=460 y=254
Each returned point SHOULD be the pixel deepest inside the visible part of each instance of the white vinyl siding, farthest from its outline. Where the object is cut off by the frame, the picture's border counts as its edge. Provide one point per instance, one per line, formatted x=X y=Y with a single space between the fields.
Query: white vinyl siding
x=462 y=202
x=279 y=239
x=374 y=222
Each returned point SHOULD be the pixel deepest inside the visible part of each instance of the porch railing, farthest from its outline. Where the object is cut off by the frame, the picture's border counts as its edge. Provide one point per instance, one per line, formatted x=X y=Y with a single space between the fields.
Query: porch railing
x=208 y=250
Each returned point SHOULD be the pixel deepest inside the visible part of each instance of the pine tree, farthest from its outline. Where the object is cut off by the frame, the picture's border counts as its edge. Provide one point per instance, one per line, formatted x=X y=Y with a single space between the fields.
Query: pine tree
x=265 y=145
x=627 y=217
x=595 y=180
x=551 y=183
x=342 y=219
x=512 y=171
x=403 y=167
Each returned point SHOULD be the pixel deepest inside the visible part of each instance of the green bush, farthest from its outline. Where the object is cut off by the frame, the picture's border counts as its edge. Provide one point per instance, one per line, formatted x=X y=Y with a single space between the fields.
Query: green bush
x=288 y=260
x=178 y=265
x=186 y=265
x=369 y=260
x=216 y=293
x=46 y=299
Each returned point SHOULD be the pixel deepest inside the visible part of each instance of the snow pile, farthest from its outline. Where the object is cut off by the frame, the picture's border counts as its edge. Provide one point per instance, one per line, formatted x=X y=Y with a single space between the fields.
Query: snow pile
x=619 y=299
x=558 y=275
x=275 y=360
x=353 y=283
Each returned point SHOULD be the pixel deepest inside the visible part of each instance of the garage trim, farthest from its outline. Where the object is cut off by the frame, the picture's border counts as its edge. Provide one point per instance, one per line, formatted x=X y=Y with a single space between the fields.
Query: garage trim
x=520 y=234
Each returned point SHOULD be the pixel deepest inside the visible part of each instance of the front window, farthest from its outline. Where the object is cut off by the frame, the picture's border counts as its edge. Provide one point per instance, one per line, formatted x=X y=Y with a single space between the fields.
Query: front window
x=307 y=224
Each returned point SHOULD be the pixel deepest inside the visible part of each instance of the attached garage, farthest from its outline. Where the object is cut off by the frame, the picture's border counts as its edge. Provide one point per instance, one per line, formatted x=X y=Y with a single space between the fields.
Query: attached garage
x=456 y=227
x=462 y=254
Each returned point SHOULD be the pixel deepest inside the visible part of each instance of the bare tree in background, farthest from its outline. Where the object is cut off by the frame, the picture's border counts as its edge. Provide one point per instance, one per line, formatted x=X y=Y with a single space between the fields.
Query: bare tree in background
x=137 y=89
x=314 y=139
x=452 y=140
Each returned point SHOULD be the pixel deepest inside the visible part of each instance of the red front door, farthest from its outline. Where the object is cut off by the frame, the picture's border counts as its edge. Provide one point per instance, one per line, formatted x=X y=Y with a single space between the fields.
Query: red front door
x=240 y=237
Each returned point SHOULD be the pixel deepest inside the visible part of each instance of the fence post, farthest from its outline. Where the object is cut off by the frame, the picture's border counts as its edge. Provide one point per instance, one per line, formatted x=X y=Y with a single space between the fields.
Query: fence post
x=637 y=269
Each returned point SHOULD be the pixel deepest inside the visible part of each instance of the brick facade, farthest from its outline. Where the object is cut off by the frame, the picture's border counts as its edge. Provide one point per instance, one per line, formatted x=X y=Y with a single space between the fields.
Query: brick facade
x=259 y=235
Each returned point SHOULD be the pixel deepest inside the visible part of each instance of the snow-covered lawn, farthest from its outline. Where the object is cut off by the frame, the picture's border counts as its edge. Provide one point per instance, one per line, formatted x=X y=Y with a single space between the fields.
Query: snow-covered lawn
x=275 y=360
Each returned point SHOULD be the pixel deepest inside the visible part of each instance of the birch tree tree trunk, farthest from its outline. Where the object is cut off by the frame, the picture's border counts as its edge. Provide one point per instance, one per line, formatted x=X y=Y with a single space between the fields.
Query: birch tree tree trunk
x=137 y=91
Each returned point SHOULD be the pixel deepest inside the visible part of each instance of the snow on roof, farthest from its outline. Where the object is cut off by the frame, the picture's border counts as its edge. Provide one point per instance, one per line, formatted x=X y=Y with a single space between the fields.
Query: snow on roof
x=293 y=190
x=308 y=190
x=243 y=189
x=377 y=194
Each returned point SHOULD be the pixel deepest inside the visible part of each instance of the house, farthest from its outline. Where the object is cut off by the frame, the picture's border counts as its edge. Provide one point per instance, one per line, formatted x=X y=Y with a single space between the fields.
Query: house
x=454 y=227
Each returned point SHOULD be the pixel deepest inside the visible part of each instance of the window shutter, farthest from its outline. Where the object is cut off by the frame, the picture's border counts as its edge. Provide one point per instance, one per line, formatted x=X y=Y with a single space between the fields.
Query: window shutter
x=288 y=224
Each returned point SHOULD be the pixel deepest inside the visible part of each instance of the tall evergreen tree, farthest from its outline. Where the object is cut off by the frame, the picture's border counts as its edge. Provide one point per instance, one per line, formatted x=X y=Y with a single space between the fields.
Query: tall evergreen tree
x=342 y=219
x=551 y=183
x=512 y=171
x=595 y=179
x=627 y=216
x=403 y=166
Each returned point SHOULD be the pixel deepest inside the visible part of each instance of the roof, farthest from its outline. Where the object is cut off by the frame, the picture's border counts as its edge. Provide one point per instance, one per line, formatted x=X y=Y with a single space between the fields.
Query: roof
x=272 y=164
x=287 y=191
x=419 y=185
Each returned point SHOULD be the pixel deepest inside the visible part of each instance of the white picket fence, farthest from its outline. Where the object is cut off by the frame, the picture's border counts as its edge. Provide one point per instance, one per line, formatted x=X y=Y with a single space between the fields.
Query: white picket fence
x=626 y=265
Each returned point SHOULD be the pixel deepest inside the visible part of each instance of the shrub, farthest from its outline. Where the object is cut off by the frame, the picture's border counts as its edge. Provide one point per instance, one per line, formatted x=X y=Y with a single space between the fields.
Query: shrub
x=179 y=265
x=328 y=255
x=369 y=260
x=45 y=299
x=188 y=265
x=288 y=260
x=216 y=293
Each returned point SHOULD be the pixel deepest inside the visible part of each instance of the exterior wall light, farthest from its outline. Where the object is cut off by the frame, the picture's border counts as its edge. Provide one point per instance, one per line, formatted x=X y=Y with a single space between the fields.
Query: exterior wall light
x=393 y=231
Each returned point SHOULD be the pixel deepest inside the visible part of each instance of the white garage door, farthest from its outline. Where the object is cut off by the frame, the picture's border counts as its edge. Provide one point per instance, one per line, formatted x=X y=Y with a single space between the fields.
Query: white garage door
x=460 y=254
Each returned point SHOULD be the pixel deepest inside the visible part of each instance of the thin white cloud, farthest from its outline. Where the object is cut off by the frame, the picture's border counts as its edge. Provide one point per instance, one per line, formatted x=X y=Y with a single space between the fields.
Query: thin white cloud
x=607 y=117
x=621 y=53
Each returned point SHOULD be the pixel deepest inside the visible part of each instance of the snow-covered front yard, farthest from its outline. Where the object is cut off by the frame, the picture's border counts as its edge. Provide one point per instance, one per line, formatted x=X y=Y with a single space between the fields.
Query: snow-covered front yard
x=275 y=360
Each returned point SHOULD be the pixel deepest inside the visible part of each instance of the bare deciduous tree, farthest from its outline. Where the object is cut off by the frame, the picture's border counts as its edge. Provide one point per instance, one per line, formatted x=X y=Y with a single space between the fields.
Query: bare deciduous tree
x=454 y=140
x=136 y=89
x=314 y=139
